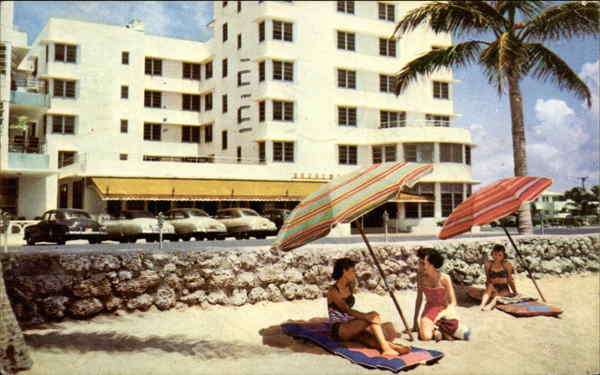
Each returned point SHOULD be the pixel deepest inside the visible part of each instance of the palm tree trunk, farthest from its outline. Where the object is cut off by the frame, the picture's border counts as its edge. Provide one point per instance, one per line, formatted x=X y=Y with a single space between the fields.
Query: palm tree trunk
x=519 y=143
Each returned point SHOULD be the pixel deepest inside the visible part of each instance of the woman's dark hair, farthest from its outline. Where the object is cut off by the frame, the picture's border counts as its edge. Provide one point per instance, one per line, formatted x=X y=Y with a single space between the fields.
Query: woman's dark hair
x=423 y=252
x=340 y=266
x=499 y=248
x=435 y=258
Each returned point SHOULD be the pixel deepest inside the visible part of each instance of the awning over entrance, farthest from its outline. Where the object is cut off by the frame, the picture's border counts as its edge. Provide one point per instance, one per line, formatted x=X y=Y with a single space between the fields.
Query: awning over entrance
x=411 y=198
x=113 y=188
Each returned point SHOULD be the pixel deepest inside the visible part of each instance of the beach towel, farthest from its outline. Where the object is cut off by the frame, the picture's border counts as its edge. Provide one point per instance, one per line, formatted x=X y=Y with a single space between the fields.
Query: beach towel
x=320 y=334
x=519 y=306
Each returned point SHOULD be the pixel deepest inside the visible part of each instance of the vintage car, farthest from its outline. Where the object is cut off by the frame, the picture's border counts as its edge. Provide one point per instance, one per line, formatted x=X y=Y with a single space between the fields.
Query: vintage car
x=196 y=223
x=63 y=225
x=131 y=226
x=276 y=215
x=245 y=223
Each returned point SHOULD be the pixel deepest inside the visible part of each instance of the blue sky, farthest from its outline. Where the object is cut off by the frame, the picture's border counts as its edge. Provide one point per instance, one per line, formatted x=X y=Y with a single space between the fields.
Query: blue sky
x=562 y=133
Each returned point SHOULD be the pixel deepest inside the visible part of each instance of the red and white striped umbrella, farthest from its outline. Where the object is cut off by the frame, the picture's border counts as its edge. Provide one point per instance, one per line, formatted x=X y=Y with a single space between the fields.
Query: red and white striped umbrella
x=493 y=202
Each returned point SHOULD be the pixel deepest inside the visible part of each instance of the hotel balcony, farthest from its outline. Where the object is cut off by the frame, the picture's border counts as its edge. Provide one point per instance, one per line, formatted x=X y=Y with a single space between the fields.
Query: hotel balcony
x=28 y=98
x=26 y=155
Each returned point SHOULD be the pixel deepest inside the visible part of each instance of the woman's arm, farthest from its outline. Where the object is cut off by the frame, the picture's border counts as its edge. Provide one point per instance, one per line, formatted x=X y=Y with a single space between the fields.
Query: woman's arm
x=511 y=281
x=333 y=296
x=418 y=301
x=486 y=269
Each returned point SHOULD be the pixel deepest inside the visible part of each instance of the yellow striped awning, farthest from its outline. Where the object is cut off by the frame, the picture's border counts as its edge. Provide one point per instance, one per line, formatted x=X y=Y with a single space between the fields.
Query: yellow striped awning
x=116 y=188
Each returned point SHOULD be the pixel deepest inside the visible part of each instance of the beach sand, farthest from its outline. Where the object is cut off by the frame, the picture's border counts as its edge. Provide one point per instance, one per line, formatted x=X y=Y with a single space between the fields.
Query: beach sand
x=247 y=340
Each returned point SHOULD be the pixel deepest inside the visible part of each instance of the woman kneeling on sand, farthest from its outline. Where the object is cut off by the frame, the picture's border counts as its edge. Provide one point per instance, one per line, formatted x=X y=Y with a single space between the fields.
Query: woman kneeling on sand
x=349 y=324
x=499 y=281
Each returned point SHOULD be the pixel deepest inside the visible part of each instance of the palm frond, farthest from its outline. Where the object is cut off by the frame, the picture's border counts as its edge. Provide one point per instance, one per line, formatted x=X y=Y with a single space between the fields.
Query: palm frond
x=545 y=65
x=564 y=21
x=457 y=56
x=530 y=8
x=489 y=59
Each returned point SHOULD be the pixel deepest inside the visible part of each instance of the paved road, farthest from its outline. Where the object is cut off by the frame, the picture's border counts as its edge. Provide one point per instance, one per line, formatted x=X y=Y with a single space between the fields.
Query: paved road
x=230 y=243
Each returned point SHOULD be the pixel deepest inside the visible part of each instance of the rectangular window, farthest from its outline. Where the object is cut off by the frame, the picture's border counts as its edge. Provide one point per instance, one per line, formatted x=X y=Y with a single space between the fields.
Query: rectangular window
x=152 y=132
x=190 y=134
x=346 y=79
x=346 y=41
x=346 y=116
x=65 y=158
x=261 y=111
x=152 y=99
x=123 y=157
x=384 y=153
x=208 y=70
x=152 y=66
x=283 y=31
x=208 y=102
x=418 y=152
x=437 y=120
x=224 y=140
x=191 y=71
x=450 y=153
x=392 y=119
x=283 y=152
x=440 y=90
x=224 y=68
x=239 y=41
x=124 y=92
x=224 y=32
x=240 y=117
x=261 y=31
x=347 y=154
x=239 y=154
x=468 y=156
x=261 y=71
x=64 y=89
x=283 y=71
x=239 y=6
x=262 y=152
x=452 y=196
x=386 y=12
x=190 y=102
x=387 y=47
x=224 y=2
x=224 y=103
x=345 y=7
x=63 y=124
x=65 y=53
x=125 y=58
x=208 y=131
x=421 y=210
x=124 y=126
x=283 y=111
x=386 y=83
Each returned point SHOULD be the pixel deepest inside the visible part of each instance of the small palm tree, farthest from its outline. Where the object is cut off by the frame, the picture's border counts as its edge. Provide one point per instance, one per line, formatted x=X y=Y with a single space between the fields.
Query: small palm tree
x=515 y=33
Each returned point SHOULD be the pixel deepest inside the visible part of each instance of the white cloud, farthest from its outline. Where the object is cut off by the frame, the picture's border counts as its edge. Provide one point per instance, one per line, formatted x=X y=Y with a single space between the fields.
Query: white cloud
x=590 y=74
x=552 y=111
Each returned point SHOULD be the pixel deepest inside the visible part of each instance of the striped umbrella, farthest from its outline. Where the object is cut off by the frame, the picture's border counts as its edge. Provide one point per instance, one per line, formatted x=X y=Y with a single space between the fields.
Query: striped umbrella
x=493 y=202
x=345 y=199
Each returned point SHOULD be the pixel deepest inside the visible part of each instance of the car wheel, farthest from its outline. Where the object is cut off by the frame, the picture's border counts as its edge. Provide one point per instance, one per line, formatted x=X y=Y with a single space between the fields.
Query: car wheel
x=123 y=240
x=30 y=241
x=94 y=241
x=261 y=237
x=60 y=241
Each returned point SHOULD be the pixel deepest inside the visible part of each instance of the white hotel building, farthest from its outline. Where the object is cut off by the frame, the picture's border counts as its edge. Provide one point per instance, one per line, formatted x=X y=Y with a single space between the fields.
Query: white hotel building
x=285 y=96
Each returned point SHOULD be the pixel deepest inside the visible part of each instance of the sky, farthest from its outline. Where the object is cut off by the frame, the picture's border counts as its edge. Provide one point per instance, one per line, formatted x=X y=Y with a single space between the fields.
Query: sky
x=563 y=137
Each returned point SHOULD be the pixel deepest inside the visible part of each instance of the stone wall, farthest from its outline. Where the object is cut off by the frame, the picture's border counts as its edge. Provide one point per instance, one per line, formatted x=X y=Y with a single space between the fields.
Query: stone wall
x=49 y=286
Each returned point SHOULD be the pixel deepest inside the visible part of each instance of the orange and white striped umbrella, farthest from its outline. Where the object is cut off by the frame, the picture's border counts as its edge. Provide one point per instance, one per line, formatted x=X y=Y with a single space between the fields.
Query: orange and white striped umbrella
x=493 y=202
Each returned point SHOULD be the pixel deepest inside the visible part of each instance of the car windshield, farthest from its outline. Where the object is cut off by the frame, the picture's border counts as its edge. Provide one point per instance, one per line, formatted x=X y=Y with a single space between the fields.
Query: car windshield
x=248 y=212
x=197 y=213
x=138 y=215
x=77 y=215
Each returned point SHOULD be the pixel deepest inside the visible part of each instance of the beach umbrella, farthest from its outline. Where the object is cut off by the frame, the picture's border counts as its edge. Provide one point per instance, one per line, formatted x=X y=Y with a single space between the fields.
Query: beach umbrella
x=493 y=202
x=346 y=199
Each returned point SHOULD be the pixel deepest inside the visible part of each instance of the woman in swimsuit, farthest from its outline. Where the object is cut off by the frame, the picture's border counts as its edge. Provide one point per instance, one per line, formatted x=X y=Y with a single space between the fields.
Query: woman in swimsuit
x=349 y=324
x=499 y=281
x=439 y=294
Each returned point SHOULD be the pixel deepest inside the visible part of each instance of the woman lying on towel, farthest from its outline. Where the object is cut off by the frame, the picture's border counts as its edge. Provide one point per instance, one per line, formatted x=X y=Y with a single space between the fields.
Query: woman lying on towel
x=499 y=281
x=349 y=324
x=439 y=319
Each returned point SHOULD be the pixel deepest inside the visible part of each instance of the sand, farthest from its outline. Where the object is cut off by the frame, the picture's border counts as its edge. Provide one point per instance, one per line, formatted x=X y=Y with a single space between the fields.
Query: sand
x=247 y=340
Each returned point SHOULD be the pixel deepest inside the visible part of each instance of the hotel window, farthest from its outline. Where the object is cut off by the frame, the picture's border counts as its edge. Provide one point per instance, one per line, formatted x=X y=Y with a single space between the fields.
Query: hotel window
x=346 y=116
x=283 y=152
x=386 y=83
x=152 y=66
x=190 y=102
x=224 y=3
x=239 y=41
x=261 y=71
x=239 y=154
x=346 y=79
x=345 y=7
x=125 y=58
x=124 y=92
x=65 y=53
x=152 y=132
x=224 y=32
x=239 y=6
x=421 y=210
x=224 y=140
x=437 y=120
x=124 y=126
x=283 y=71
x=468 y=157
x=152 y=99
x=384 y=153
x=208 y=70
x=208 y=103
x=392 y=119
x=63 y=124
x=347 y=155
x=190 y=134
x=283 y=31
x=440 y=90
x=452 y=196
x=191 y=71
x=418 y=152
x=262 y=152
x=65 y=158
x=450 y=153
x=346 y=41
x=123 y=157
x=283 y=111
x=240 y=118
x=224 y=103
x=64 y=89
x=224 y=68
x=208 y=132
x=387 y=47
x=469 y=190
x=261 y=111
x=239 y=77
x=261 y=31
x=386 y=12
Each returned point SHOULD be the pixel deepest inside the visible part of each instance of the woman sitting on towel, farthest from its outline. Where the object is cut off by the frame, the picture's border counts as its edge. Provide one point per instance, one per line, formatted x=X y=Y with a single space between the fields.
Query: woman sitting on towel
x=349 y=324
x=499 y=281
x=438 y=319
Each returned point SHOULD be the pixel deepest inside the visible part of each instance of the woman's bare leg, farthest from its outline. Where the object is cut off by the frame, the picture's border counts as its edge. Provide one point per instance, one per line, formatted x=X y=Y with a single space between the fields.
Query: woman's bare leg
x=489 y=292
x=426 y=327
x=492 y=303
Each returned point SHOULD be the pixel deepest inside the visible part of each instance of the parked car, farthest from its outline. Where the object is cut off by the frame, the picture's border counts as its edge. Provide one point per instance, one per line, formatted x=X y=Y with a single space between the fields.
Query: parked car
x=131 y=226
x=193 y=222
x=63 y=225
x=245 y=223
x=276 y=215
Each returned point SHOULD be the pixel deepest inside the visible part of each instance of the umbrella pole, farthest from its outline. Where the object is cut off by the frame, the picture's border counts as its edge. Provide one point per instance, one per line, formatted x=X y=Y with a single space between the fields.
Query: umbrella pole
x=524 y=263
x=362 y=233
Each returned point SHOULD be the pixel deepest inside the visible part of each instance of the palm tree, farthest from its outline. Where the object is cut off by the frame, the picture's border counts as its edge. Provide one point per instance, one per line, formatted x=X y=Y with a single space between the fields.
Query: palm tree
x=515 y=33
